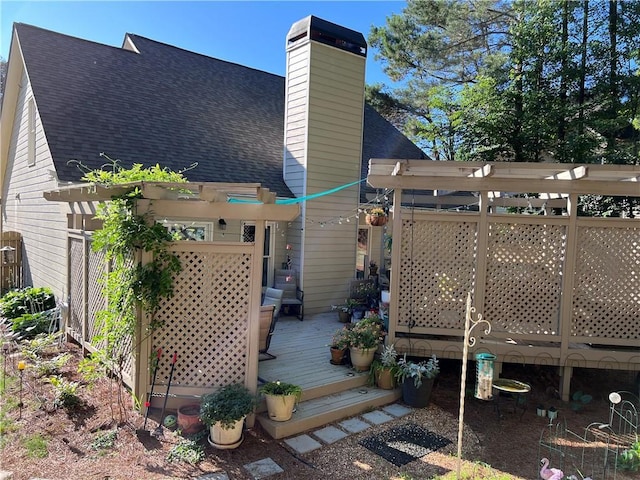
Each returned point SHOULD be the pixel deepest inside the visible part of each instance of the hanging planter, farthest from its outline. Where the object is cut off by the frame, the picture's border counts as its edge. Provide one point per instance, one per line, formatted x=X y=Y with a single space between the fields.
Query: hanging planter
x=376 y=217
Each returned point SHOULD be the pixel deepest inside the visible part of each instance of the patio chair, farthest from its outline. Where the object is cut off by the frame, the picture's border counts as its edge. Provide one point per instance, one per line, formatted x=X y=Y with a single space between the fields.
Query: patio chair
x=273 y=296
x=287 y=281
x=267 y=325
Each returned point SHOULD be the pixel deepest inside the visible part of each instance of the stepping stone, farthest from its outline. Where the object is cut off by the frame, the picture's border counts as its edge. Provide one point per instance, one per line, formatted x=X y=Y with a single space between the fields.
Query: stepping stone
x=377 y=417
x=303 y=443
x=397 y=410
x=330 y=434
x=263 y=468
x=214 y=476
x=354 y=425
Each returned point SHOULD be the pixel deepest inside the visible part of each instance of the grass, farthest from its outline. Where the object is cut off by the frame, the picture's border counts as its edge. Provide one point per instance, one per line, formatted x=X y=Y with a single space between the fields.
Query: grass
x=36 y=446
x=470 y=471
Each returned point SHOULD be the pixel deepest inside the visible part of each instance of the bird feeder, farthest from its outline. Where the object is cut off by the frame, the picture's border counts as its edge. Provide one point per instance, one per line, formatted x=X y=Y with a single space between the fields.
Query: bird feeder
x=484 y=375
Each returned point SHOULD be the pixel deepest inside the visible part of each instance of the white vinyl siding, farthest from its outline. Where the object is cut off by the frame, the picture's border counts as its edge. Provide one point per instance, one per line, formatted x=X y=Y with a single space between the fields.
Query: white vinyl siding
x=31 y=132
x=43 y=224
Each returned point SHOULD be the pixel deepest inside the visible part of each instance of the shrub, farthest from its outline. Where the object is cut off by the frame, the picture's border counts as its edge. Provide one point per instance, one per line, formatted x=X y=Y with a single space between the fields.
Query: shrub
x=65 y=392
x=30 y=325
x=27 y=300
x=186 y=451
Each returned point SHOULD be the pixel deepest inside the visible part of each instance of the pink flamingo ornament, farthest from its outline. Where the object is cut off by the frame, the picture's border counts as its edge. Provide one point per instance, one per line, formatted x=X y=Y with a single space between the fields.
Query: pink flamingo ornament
x=547 y=473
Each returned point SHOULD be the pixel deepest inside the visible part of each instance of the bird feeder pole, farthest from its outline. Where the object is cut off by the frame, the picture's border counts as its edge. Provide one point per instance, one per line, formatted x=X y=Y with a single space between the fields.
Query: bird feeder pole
x=469 y=341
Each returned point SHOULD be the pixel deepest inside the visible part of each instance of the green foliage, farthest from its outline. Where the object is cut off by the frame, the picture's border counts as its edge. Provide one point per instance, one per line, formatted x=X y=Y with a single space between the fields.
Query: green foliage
x=41 y=345
x=65 y=392
x=629 y=459
x=417 y=370
x=340 y=338
x=16 y=303
x=29 y=325
x=367 y=333
x=92 y=368
x=36 y=446
x=187 y=451
x=281 y=388
x=515 y=81
x=124 y=235
x=44 y=367
x=227 y=405
x=105 y=440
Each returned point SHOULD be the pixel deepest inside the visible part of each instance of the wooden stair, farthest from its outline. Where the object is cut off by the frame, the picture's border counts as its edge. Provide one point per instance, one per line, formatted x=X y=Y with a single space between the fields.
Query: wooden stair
x=329 y=392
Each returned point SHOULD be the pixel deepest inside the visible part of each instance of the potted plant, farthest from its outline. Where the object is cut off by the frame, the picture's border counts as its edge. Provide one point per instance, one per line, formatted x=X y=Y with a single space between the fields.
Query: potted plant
x=376 y=217
x=417 y=379
x=339 y=345
x=382 y=371
x=281 y=398
x=224 y=412
x=364 y=338
x=345 y=310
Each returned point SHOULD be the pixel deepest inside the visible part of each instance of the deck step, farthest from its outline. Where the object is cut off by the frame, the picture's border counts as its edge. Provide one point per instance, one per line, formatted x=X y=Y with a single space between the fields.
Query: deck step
x=329 y=408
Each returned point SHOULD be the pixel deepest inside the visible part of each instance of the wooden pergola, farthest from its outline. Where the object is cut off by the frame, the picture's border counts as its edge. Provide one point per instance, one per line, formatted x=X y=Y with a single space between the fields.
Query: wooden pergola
x=212 y=320
x=559 y=289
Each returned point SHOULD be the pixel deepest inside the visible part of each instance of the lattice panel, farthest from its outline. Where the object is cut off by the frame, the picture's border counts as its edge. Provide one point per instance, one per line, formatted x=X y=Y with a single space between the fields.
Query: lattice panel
x=76 y=285
x=96 y=300
x=524 y=279
x=207 y=320
x=433 y=287
x=606 y=303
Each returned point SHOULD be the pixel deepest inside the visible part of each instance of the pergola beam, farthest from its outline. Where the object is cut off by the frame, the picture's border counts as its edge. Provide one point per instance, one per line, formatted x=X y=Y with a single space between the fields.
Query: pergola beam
x=555 y=179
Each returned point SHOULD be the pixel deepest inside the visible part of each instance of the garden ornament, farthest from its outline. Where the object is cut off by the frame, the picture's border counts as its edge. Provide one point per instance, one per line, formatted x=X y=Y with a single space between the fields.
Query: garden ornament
x=547 y=473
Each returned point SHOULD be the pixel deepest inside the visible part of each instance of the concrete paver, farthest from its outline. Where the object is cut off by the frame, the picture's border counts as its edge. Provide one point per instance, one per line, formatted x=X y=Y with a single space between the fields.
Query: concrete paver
x=397 y=410
x=330 y=434
x=263 y=468
x=214 y=476
x=377 y=417
x=354 y=425
x=303 y=443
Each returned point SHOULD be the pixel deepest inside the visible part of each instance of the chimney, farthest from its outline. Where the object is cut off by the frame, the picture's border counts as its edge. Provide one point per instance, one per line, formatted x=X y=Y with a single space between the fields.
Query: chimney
x=324 y=111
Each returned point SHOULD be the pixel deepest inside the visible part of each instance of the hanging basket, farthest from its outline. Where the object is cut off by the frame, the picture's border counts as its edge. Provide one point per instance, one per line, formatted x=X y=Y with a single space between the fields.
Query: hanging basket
x=376 y=220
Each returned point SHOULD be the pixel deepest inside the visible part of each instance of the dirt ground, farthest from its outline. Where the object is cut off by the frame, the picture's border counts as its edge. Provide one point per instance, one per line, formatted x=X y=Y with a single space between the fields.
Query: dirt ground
x=509 y=443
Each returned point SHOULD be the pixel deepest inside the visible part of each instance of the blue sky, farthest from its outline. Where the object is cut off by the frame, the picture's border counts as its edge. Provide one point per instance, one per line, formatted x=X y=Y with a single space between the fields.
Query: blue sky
x=246 y=32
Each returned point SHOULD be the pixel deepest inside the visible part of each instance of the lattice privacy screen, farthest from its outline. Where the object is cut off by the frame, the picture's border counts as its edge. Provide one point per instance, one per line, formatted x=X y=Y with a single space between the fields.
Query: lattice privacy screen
x=524 y=281
x=433 y=287
x=605 y=301
x=76 y=287
x=206 y=321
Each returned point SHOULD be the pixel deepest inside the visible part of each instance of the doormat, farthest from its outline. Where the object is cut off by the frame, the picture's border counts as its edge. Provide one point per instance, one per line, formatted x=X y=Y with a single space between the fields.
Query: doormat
x=405 y=443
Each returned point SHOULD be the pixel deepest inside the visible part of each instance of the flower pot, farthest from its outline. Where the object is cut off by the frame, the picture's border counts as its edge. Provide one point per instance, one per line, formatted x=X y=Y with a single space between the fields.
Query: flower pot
x=540 y=411
x=344 y=317
x=189 y=419
x=337 y=356
x=384 y=379
x=361 y=359
x=552 y=413
x=376 y=220
x=280 y=407
x=418 y=397
x=226 y=438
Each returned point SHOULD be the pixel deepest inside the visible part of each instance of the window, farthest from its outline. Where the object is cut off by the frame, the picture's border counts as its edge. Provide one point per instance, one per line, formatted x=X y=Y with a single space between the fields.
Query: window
x=249 y=235
x=31 y=132
x=186 y=230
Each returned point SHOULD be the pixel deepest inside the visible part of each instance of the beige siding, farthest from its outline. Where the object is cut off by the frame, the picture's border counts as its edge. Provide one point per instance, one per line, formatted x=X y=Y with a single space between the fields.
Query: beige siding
x=325 y=101
x=41 y=223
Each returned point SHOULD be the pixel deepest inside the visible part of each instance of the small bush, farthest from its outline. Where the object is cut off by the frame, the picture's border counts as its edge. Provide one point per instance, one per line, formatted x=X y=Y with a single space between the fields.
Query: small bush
x=31 y=324
x=186 y=451
x=27 y=300
x=105 y=440
x=65 y=390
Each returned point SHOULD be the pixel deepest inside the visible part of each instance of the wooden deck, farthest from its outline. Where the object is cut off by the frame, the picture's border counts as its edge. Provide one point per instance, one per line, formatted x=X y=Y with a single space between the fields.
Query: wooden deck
x=330 y=392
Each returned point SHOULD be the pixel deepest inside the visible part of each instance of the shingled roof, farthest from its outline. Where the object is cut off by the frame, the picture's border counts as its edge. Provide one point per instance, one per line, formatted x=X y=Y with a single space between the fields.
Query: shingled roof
x=166 y=105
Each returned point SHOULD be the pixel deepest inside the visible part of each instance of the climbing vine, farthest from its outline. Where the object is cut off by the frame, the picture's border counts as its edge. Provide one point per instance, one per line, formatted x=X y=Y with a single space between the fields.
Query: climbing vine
x=130 y=284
